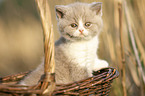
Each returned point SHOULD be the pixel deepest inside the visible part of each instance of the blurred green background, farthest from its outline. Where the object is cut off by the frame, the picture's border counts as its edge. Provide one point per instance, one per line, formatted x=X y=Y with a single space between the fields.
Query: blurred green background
x=21 y=39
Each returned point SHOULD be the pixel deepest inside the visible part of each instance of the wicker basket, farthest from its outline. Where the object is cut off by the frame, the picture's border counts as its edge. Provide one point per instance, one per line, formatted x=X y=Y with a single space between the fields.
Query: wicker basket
x=99 y=84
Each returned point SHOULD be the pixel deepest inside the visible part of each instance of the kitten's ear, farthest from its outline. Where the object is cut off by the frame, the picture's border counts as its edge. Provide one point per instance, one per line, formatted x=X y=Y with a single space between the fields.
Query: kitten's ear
x=60 y=11
x=97 y=6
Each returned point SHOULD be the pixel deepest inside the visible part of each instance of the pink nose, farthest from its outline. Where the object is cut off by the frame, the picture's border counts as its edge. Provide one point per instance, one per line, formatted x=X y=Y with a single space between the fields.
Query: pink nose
x=81 y=31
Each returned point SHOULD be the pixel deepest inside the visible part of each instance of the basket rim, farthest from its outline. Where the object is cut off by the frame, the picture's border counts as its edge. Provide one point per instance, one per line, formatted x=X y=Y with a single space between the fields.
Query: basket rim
x=110 y=73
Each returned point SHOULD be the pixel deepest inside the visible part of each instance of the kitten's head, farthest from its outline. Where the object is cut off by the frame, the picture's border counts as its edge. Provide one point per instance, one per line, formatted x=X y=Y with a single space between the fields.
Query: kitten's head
x=79 y=21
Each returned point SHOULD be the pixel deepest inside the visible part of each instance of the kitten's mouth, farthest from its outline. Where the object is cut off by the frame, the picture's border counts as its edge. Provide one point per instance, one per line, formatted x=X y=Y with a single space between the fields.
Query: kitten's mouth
x=76 y=37
x=70 y=35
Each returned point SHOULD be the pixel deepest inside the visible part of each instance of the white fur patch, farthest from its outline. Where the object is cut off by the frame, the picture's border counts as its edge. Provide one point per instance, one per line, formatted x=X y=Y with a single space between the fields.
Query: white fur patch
x=83 y=52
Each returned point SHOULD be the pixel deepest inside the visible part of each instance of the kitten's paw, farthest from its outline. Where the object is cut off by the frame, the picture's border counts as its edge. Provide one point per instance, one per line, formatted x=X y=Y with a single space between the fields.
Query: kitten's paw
x=100 y=64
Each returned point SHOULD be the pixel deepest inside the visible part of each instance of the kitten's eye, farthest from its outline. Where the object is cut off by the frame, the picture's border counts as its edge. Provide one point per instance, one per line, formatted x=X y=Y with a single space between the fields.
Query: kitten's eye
x=73 y=25
x=87 y=24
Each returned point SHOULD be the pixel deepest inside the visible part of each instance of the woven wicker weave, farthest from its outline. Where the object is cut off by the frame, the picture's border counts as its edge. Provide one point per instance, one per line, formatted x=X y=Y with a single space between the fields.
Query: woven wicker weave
x=99 y=84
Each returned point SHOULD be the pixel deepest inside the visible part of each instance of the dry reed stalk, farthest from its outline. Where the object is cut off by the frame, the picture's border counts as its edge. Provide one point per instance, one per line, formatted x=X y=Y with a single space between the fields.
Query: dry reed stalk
x=135 y=29
x=123 y=70
x=116 y=30
x=139 y=30
x=48 y=83
x=133 y=42
x=141 y=13
x=116 y=43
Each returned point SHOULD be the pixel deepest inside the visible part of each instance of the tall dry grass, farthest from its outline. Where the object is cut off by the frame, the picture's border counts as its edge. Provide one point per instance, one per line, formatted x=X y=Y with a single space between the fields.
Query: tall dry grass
x=21 y=39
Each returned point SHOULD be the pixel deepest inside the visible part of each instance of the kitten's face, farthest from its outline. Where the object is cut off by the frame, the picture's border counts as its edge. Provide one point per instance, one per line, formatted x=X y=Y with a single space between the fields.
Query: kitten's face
x=79 y=21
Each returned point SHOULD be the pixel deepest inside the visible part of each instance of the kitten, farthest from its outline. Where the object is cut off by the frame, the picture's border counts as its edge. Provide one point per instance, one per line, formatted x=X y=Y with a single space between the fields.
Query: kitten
x=75 y=52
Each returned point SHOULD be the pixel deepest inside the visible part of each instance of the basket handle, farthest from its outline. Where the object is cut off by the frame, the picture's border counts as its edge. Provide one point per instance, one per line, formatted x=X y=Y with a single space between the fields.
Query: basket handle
x=48 y=83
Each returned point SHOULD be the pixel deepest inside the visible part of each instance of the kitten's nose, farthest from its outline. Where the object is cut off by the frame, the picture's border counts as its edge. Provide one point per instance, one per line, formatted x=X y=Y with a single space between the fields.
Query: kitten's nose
x=81 y=31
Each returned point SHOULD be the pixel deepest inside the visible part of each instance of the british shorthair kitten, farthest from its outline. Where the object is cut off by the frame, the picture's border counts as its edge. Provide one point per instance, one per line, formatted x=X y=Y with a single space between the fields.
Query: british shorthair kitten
x=75 y=52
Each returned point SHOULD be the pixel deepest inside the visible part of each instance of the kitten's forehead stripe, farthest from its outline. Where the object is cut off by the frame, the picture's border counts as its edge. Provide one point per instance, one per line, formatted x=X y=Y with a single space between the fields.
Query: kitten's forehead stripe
x=81 y=24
